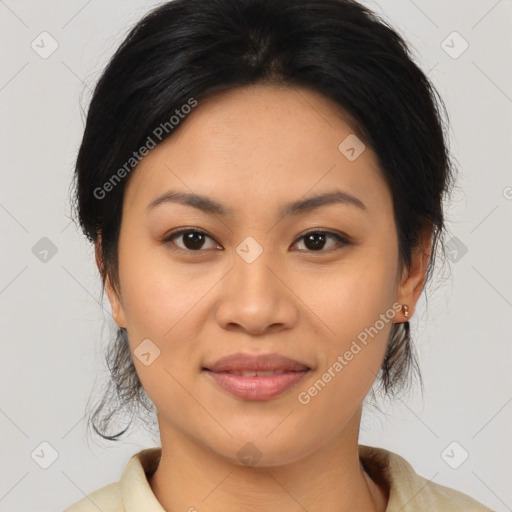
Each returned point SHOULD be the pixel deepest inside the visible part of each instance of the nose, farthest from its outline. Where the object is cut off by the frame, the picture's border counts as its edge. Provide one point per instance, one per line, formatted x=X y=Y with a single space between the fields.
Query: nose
x=256 y=296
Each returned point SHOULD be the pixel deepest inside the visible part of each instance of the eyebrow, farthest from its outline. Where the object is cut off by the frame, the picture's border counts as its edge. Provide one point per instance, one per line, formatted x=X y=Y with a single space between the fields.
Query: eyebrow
x=209 y=205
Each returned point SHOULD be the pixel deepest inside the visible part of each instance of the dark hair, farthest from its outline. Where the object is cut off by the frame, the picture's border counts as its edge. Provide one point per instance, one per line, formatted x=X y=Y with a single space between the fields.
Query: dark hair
x=188 y=49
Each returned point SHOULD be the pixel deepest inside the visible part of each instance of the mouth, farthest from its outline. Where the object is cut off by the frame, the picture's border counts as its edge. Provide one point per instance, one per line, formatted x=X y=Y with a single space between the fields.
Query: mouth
x=256 y=373
x=256 y=377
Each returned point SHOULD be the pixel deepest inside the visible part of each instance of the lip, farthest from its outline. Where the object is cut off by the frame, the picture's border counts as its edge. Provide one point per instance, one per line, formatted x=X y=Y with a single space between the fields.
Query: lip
x=227 y=373
x=262 y=362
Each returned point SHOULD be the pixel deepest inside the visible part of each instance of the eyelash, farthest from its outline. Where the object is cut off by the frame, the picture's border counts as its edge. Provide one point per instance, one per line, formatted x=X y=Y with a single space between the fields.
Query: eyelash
x=342 y=240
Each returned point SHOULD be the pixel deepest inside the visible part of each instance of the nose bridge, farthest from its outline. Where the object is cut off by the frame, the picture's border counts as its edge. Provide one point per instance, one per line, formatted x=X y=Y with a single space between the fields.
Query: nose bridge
x=253 y=297
x=251 y=269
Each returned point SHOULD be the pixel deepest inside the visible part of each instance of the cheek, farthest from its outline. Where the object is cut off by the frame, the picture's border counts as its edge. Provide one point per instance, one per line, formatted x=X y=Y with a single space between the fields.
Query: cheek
x=162 y=301
x=353 y=295
x=158 y=293
x=359 y=314
x=355 y=304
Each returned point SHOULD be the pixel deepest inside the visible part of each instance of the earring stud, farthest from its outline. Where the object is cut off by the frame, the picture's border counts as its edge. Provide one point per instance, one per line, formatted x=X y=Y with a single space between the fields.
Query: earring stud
x=405 y=309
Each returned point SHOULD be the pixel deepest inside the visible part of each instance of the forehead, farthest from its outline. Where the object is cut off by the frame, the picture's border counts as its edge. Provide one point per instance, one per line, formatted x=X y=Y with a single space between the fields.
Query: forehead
x=257 y=145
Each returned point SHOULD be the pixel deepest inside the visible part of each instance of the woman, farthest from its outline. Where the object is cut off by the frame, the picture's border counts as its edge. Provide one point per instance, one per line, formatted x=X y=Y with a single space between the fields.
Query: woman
x=263 y=183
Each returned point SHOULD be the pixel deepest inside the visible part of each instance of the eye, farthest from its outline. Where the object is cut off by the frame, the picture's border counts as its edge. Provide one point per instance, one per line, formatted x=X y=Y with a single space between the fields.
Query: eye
x=192 y=239
x=315 y=241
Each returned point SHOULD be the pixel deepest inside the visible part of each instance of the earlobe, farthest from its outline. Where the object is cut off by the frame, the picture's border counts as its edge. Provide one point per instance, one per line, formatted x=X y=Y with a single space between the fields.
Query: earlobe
x=115 y=303
x=413 y=278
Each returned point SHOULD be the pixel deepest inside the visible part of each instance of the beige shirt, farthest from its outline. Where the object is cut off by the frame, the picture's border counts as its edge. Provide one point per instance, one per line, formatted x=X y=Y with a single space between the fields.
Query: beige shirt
x=408 y=491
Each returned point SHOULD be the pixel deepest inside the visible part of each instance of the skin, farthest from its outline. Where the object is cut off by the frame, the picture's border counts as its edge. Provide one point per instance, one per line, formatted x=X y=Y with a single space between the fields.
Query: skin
x=254 y=149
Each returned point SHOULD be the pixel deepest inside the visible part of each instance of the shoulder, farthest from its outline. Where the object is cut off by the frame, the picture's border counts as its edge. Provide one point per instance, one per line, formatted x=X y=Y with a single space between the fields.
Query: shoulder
x=409 y=491
x=131 y=492
x=106 y=499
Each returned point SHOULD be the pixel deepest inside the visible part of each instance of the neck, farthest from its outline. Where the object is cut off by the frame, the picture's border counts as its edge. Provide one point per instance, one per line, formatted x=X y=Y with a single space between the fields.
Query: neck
x=332 y=479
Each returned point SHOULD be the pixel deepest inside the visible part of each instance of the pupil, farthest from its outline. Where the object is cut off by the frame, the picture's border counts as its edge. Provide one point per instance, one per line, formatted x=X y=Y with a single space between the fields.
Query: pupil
x=318 y=240
x=193 y=238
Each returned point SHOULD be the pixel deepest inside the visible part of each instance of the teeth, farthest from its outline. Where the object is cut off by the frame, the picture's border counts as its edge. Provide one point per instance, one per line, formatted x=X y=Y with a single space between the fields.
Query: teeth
x=258 y=373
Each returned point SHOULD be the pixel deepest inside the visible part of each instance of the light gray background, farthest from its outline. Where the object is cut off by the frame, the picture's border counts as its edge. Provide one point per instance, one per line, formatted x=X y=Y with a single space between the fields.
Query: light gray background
x=54 y=330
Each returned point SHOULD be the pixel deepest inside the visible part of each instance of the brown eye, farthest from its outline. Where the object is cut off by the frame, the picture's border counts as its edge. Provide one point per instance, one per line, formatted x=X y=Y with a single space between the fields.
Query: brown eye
x=316 y=241
x=194 y=240
x=190 y=240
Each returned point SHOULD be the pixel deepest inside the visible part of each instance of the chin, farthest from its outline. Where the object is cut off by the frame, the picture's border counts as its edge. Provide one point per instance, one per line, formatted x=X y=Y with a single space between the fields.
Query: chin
x=261 y=450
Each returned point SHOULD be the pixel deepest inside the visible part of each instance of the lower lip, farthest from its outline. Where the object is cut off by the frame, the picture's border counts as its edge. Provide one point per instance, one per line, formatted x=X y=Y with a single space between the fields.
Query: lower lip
x=257 y=388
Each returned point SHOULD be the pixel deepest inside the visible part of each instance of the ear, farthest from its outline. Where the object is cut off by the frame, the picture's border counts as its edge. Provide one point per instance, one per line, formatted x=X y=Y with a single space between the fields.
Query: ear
x=413 y=278
x=115 y=301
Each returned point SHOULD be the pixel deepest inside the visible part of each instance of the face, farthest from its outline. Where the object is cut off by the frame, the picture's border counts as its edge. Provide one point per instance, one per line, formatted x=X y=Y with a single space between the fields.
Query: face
x=318 y=283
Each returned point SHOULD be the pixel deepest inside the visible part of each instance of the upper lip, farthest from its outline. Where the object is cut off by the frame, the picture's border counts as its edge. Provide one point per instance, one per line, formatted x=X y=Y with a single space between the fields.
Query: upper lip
x=257 y=362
